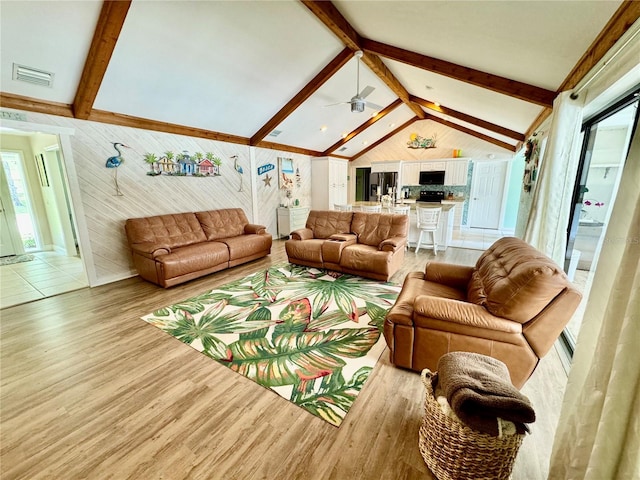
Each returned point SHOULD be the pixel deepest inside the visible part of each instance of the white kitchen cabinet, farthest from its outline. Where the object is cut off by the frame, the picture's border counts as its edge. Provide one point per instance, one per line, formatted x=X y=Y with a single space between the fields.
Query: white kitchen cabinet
x=410 y=173
x=433 y=166
x=290 y=219
x=455 y=172
x=378 y=167
x=328 y=182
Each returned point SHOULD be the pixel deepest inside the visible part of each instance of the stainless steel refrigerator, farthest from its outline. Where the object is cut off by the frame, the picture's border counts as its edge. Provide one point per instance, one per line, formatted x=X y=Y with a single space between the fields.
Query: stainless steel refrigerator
x=384 y=181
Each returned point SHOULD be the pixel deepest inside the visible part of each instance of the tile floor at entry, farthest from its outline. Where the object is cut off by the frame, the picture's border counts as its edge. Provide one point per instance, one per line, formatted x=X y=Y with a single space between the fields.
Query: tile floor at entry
x=48 y=274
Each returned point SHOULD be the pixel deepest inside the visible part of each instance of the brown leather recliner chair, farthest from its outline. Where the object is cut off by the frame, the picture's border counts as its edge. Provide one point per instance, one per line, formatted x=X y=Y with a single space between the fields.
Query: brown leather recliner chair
x=511 y=306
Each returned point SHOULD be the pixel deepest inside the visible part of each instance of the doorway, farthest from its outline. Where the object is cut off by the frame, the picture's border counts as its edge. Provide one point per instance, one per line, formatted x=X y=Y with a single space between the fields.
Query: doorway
x=17 y=212
x=606 y=140
x=36 y=201
x=487 y=193
x=362 y=184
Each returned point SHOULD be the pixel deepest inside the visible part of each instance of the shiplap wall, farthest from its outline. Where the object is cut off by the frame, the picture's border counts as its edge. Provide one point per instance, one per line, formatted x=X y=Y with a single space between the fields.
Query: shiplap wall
x=447 y=139
x=144 y=195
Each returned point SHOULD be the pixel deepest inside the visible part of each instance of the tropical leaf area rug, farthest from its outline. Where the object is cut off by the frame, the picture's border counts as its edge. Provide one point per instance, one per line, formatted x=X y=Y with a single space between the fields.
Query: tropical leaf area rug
x=311 y=336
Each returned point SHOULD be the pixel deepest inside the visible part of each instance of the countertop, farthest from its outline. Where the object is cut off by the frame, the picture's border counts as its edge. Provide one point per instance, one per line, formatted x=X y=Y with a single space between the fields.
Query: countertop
x=445 y=206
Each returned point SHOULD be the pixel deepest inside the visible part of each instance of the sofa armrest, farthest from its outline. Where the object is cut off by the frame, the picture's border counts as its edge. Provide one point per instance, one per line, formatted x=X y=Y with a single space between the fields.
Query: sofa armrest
x=302 y=234
x=456 y=276
x=344 y=237
x=461 y=313
x=392 y=244
x=251 y=228
x=150 y=250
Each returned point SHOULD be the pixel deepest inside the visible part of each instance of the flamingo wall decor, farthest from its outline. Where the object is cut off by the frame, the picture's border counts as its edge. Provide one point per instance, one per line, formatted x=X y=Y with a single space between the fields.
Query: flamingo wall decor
x=114 y=162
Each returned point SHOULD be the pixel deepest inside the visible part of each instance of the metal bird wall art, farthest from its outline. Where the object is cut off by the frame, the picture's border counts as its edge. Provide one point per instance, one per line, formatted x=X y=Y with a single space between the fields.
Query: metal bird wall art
x=238 y=169
x=114 y=162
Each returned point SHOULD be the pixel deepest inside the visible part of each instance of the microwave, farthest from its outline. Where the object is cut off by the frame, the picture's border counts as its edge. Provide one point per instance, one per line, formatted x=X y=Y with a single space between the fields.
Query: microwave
x=435 y=177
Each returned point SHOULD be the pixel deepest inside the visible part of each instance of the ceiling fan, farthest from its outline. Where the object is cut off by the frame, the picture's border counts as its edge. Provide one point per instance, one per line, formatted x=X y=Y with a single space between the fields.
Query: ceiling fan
x=358 y=102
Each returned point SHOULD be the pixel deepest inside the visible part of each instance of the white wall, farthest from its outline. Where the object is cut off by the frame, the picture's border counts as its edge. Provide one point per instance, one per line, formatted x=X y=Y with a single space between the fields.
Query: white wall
x=144 y=195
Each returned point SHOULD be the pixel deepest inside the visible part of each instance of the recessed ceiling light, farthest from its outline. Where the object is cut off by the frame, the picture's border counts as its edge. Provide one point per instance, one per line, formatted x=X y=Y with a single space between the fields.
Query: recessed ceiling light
x=436 y=104
x=344 y=135
x=323 y=128
x=391 y=125
x=374 y=114
x=365 y=142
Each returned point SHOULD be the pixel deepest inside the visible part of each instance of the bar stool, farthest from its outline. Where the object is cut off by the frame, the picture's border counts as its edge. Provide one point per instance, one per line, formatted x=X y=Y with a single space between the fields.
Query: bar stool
x=371 y=208
x=428 y=220
x=342 y=208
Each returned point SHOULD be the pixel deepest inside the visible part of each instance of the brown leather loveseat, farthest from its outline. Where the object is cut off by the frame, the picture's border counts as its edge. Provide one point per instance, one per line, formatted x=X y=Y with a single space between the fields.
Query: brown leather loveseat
x=511 y=306
x=366 y=244
x=171 y=249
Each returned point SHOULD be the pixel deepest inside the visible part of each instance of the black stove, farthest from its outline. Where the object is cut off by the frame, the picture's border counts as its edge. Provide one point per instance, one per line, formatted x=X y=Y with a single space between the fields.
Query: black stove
x=431 y=196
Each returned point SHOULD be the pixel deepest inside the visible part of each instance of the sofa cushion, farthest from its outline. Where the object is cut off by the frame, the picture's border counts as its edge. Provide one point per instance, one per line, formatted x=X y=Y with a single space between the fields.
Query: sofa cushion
x=306 y=250
x=326 y=223
x=175 y=230
x=246 y=245
x=373 y=228
x=192 y=258
x=518 y=280
x=365 y=258
x=225 y=223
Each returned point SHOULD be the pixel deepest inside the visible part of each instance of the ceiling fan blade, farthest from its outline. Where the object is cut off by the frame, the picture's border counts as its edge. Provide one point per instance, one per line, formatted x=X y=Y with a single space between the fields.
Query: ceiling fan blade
x=334 y=104
x=366 y=91
x=375 y=106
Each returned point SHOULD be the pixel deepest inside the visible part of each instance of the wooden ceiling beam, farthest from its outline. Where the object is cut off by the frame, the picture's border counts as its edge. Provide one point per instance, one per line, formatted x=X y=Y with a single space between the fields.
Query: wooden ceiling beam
x=289 y=148
x=9 y=100
x=468 y=118
x=481 y=136
x=495 y=83
x=380 y=69
x=622 y=19
x=104 y=41
x=627 y=14
x=383 y=139
x=328 y=14
x=147 y=124
x=325 y=74
x=384 y=112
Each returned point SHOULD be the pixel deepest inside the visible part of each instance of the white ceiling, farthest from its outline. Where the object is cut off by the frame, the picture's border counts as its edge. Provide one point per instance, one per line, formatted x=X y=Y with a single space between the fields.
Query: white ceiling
x=228 y=67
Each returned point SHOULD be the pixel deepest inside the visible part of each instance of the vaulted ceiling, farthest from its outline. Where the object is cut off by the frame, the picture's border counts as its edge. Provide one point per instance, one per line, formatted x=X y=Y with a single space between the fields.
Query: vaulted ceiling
x=263 y=72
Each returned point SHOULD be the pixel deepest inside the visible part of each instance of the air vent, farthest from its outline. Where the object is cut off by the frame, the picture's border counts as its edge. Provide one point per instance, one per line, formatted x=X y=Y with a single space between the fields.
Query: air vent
x=32 y=75
x=275 y=133
x=342 y=149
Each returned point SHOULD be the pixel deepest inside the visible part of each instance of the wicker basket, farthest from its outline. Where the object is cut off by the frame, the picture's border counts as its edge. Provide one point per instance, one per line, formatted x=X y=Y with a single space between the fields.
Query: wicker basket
x=453 y=451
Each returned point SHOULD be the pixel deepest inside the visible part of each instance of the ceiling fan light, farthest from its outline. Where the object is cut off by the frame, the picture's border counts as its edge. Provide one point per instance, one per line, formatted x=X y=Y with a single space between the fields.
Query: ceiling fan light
x=357 y=106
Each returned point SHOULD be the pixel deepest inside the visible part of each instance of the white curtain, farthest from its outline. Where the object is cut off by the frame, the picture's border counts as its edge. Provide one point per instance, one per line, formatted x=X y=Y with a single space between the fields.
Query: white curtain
x=553 y=191
x=598 y=434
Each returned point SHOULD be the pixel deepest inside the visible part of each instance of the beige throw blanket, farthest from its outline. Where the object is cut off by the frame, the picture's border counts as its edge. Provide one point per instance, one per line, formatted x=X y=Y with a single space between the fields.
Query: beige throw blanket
x=479 y=391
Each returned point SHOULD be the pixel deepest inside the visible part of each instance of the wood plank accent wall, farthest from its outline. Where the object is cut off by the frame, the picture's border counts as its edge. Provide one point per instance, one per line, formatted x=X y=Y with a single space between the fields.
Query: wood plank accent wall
x=447 y=139
x=144 y=195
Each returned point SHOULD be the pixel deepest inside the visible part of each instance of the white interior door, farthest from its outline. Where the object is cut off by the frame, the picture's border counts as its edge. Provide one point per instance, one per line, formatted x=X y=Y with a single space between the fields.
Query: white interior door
x=487 y=192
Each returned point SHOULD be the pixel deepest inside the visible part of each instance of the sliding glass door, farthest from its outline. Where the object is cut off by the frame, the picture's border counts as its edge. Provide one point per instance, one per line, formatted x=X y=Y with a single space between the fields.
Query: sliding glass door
x=606 y=140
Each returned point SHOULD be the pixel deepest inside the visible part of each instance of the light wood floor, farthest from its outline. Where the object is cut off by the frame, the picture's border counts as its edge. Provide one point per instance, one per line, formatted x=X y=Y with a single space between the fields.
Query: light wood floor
x=89 y=390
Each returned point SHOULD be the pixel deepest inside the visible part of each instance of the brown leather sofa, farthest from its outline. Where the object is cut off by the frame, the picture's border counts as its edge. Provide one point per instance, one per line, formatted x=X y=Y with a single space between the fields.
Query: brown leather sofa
x=511 y=306
x=171 y=249
x=366 y=244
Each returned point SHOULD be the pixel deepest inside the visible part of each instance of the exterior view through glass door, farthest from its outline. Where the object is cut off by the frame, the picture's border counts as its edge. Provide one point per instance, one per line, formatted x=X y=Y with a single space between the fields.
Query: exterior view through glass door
x=15 y=182
x=606 y=140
